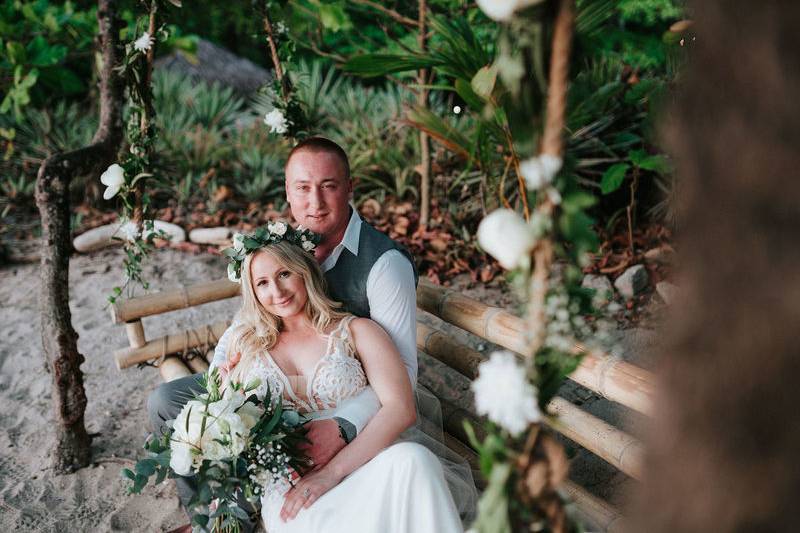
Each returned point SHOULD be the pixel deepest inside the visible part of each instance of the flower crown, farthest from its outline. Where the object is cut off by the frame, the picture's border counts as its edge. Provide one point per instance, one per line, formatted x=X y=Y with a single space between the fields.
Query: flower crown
x=272 y=233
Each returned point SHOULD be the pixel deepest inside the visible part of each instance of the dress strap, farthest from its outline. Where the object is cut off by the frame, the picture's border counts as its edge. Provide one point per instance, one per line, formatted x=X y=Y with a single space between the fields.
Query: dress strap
x=343 y=334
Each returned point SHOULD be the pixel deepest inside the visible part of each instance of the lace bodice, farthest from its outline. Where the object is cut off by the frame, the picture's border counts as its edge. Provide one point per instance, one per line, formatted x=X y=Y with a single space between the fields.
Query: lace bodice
x=337 y=376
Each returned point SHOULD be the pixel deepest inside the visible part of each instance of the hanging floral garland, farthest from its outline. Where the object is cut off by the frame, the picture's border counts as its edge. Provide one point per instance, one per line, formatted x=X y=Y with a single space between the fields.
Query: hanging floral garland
x=126 y=180
x=523 y=464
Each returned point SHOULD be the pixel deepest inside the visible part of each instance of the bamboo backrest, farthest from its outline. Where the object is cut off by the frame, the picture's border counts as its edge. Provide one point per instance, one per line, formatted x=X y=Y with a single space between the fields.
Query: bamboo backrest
x=602 y=373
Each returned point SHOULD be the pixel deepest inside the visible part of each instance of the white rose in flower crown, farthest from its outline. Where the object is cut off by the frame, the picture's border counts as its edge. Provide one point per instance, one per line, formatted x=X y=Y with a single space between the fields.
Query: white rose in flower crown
x=308 y=246
x=232 y=276
x=501 y=10
x=143 y=43
x=279 y=228
x=504 y=394
x=506 y=236
x=238 y=242
x=276 y=121
x=113 y=178
x=539 y=171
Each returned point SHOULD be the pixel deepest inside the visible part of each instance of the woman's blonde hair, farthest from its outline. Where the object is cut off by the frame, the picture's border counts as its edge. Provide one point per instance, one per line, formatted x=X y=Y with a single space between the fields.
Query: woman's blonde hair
x=258 y=329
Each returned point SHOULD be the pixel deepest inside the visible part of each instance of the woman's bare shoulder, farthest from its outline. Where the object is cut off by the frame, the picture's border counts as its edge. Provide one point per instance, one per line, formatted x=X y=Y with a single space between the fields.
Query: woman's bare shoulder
x=366 y=328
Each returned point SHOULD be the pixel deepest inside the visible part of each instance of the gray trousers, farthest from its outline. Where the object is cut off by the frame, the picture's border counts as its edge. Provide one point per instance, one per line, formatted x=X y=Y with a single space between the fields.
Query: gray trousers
x=164 y=405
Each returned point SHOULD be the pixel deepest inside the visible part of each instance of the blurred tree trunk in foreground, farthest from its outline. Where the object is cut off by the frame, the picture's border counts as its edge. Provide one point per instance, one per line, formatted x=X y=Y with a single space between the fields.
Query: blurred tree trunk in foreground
x=59 y=339
x=724 y=452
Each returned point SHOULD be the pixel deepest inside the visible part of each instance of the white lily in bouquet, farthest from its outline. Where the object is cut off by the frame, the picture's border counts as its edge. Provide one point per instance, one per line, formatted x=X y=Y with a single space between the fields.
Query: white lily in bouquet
x=232 y=443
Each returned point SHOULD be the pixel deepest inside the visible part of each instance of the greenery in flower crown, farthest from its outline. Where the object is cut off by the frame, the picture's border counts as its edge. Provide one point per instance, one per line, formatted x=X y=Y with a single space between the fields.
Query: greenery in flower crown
x=272 y=233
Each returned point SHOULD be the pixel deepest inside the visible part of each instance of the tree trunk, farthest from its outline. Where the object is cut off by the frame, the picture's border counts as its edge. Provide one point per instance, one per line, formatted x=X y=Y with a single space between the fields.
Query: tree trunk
x=424 y=139
x=59 y=339
x=723 y=454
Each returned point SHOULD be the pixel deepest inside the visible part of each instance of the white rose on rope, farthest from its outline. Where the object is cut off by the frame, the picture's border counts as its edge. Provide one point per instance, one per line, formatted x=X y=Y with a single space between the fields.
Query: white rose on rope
x=501 y=10
x=539 y=172
x=276 y=121
x=143 y=43
x=113 y=178
x=506 y=236
x=504 y=394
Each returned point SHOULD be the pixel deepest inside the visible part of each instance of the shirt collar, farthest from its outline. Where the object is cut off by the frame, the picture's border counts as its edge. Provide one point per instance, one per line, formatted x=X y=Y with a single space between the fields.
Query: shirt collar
x=352 y=234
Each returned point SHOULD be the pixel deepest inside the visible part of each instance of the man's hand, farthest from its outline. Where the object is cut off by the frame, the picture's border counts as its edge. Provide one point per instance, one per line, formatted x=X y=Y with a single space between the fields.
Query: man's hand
x=325 y=441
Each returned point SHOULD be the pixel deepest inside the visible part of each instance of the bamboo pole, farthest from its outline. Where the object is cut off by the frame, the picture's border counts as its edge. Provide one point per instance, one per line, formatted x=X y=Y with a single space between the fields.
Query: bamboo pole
x=462 y=450
x=604 y=440
x=173 y=368
x=447 y=350
x=135 y=332
x=170 y=344
x=597 y=513
x=162 y=302
x=609 y=376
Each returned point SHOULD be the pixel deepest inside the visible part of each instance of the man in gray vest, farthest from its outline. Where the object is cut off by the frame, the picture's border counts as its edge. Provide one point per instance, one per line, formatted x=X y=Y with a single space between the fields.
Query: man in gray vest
x=365 y=270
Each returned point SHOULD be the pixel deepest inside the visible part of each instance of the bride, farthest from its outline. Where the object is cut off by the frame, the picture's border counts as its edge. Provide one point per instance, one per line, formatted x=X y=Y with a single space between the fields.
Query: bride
x=291 y=336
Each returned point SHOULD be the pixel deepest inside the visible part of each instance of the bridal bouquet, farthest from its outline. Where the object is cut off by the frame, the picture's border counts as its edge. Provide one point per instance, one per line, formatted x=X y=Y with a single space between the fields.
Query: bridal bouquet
x=234 y=446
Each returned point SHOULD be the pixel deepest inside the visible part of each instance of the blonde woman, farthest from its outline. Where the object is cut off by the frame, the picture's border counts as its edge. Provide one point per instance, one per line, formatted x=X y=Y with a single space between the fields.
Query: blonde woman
x=291 y=336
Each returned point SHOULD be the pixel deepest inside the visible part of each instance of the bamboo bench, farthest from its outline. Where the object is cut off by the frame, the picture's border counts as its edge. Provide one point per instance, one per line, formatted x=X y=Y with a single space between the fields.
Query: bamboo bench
x=608 y=376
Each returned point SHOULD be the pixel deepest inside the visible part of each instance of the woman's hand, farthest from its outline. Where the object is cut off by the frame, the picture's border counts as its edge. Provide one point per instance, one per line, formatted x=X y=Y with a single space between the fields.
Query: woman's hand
x=226 y=367
x=308 y=490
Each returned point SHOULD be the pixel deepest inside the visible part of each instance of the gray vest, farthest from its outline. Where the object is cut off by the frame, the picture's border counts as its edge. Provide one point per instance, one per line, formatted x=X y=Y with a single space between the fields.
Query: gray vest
x=347 y=280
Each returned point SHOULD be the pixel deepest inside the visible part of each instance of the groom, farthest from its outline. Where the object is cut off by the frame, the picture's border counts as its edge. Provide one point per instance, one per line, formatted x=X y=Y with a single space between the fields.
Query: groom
x=369 y=273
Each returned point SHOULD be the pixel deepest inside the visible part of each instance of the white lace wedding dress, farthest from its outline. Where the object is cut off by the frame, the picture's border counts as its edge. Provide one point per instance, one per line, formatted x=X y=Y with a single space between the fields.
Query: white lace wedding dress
x=401 y=490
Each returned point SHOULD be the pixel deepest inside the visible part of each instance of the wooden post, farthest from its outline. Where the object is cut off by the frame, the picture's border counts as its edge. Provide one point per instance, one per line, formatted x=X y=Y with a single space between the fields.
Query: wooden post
x=59 y=339
x=135 y=332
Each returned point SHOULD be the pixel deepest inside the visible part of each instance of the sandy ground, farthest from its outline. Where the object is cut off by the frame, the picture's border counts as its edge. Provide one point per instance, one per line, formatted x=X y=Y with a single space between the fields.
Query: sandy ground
x=32 y=498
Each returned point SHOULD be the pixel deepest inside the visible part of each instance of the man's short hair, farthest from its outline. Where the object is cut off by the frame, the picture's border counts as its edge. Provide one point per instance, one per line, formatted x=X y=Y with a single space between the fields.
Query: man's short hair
x=321 y=145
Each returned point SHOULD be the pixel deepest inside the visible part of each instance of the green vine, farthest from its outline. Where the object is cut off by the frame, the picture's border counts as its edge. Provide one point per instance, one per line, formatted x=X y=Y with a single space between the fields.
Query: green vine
x=127 y=179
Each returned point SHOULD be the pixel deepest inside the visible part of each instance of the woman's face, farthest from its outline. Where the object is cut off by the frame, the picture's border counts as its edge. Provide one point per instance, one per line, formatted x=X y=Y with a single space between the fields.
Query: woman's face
x=281 y=292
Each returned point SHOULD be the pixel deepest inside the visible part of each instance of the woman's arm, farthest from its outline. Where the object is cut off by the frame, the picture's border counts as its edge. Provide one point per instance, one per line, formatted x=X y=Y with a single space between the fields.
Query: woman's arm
x=389 y=379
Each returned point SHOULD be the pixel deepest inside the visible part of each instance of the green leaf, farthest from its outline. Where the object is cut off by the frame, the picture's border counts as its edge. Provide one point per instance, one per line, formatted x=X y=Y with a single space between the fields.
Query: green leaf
x=372 y=65
x=484 y=81
x=43 y=54
x=15 y=53
x=139 y=483
x=655 y=163
x=576 y=201
x=470 y=97
x=334 y=17
x=613 y=177
x=146 y=467
x=200 y=520
x=128 y=473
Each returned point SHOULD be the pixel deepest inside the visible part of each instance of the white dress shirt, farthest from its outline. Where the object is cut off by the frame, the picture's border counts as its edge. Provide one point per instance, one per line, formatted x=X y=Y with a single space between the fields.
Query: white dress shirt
x=392 y=297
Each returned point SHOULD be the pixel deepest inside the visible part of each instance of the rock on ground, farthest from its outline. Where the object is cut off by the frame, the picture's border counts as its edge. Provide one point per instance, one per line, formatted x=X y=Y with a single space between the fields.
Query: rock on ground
x=217 y=65
x=632 y=281
x=604 y=292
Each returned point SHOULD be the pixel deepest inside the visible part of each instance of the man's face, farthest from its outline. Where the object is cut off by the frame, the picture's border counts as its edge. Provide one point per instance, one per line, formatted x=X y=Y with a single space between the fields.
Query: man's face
x=318 y=191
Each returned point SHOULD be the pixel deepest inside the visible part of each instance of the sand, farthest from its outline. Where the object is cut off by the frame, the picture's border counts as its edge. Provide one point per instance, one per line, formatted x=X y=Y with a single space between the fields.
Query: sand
x=33 y=498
